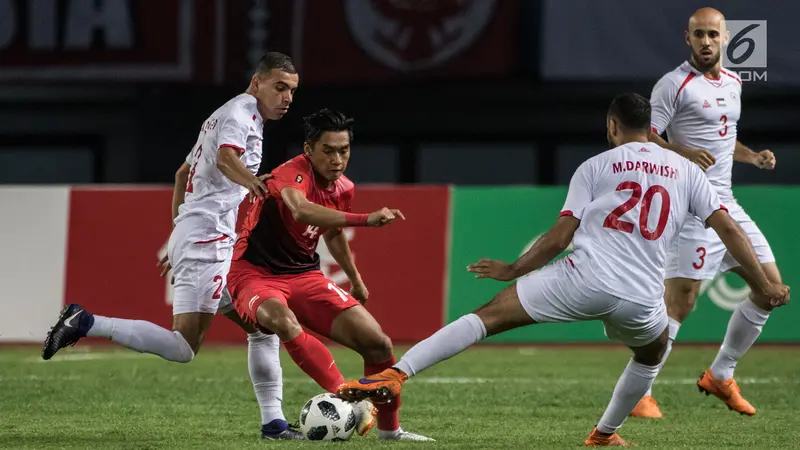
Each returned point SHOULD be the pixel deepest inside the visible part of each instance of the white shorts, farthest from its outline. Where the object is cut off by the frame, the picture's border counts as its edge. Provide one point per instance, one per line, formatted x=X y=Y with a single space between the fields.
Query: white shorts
x=699 y=254
x=557 y=293
x=226 y=302
x=201 y=259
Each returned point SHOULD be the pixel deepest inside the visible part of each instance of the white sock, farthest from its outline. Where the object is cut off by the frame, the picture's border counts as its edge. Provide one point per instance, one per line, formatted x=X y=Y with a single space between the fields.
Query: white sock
x=144 y=337
x=634 y=382
x=445 y=343
x=743 y=330
x=264 y=365
x=389 y=434
x=674 y=326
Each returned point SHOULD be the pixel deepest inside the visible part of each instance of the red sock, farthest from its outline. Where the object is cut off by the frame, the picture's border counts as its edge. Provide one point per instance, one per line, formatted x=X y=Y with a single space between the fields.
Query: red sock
x=388 y=413
x=316 y=360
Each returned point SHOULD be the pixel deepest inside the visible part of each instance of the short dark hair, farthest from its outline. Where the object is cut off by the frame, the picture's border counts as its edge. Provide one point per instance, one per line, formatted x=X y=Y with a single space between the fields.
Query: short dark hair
x=631 y=110
x=275 y=60
x=326 y=120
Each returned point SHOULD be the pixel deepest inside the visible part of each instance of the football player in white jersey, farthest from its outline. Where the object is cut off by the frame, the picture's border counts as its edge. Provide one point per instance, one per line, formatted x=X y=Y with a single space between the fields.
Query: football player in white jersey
x=698 y=104
x=209 y=187
x=623 y=209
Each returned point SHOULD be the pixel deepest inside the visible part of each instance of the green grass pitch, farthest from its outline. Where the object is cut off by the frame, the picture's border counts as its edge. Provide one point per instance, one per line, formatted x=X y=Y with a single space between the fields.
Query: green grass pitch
x=488 y=397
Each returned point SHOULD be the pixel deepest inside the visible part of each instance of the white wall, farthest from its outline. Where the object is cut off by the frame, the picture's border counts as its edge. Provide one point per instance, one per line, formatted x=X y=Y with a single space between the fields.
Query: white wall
x=33 y=248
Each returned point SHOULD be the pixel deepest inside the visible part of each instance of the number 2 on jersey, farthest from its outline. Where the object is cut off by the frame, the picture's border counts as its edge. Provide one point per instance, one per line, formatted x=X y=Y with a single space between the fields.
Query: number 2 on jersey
x=613 y=220
x=189 y=184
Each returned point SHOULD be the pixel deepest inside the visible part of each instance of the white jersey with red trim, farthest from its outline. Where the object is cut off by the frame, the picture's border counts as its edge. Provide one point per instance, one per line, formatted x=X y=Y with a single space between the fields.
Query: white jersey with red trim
x=700 y=113
x=631 y=202
x=209 y=193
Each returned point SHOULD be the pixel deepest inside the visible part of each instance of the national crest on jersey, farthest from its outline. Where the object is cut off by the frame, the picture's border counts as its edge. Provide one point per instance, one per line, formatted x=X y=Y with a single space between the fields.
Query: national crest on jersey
x=238 y=125
x=700 y=113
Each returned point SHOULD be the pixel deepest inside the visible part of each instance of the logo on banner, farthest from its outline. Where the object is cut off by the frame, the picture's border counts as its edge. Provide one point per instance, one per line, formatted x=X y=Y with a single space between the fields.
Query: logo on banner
x=410 y=35
x=746 y=52
x=330 y=268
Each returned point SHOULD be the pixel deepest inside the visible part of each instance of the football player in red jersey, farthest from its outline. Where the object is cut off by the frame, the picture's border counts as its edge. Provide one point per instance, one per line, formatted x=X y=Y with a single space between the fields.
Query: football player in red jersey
x=275 y=277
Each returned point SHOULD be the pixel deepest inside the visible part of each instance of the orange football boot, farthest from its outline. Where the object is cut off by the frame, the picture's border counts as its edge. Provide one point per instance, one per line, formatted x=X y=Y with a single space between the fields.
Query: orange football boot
x=727 y=391
x=380 y=388
x=598 y=439
x=647 y=408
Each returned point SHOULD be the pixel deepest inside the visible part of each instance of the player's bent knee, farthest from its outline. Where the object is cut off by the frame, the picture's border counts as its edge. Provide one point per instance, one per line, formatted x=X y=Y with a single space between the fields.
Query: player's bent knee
x=184 y=352
x=652 y=354
x=377 y=347
x=680 y=296
x=278 y=318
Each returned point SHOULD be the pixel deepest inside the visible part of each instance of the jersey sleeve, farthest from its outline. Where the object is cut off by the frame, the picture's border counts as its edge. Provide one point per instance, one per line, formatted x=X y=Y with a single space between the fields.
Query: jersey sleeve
x=662 y=104
x=234 y=127
x=580 y=191
x=289 y=176
x=703 y=200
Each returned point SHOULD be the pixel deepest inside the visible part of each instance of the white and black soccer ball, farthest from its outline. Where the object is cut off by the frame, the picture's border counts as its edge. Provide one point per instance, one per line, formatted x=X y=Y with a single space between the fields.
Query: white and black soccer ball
x=326 y=417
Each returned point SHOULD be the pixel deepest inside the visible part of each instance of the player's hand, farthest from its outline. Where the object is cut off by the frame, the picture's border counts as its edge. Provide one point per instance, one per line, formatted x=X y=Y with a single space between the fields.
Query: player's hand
x=359 y=292
x=257 y=188
x=384 y=216
x=778 y=294
x=765 y=159
x=164 y=265
x=490 y=268
x=701 y=157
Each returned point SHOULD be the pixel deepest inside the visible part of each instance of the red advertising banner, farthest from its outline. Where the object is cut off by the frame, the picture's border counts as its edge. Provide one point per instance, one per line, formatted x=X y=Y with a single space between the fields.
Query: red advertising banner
x=117 y=236
x=176 y=40
x=378 y=40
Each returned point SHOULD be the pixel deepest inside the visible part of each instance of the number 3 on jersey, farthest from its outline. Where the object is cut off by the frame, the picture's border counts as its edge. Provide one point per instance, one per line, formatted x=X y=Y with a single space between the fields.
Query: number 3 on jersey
x=613 y=220
x=724 y=130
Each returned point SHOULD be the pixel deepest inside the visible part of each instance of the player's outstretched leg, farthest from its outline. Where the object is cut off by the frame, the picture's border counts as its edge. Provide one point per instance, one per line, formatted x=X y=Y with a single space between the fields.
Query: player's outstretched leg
x=355 y=328
x=75 y=323
x=264 y=366
x=310 y=355
x=504 y=312
x=637 y=378
x=680 y=295
x=743 y=330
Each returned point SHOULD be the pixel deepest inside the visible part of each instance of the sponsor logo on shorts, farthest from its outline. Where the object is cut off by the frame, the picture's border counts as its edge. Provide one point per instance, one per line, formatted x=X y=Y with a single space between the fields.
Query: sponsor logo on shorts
x=252 y=301
x=298 y=179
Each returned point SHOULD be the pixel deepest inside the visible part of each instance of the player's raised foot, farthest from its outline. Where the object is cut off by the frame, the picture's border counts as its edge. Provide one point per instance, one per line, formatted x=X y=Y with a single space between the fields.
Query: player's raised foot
x=365 y=416
x=401 y=435
x=647 y=408
x=279 y=430
x=727 y=391
x=380 y=388
x=72 y=325
x=598 y=439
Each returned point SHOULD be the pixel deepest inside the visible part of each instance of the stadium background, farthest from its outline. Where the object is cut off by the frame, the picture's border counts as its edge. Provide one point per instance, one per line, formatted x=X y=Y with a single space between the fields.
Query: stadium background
x=470 y=117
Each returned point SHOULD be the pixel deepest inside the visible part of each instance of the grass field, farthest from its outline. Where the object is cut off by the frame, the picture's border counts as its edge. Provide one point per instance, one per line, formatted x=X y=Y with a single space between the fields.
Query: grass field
x=489 y=397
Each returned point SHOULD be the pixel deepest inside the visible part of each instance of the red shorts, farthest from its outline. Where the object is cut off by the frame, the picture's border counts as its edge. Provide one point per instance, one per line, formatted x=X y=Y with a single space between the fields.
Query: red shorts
x=315 y=300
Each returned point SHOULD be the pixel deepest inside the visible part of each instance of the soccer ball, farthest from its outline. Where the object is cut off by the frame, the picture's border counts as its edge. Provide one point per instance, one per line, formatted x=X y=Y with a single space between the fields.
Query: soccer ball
x=326 y=417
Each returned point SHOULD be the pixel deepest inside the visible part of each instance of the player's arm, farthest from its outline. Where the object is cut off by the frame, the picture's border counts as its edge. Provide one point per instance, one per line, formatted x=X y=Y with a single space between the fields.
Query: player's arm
x=547 y=247
x=663 y=104
x=179 y=191
x=555 y=241
x=231 y=165
x=234 y=126
x=740 y=247
x=764 y=159
x=340 y=250
x=304 y=211
x=337 y=244
x=705 y=204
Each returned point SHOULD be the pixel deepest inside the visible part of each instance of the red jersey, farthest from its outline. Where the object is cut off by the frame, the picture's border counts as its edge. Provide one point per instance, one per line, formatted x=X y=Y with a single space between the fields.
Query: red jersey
x=270 y=236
